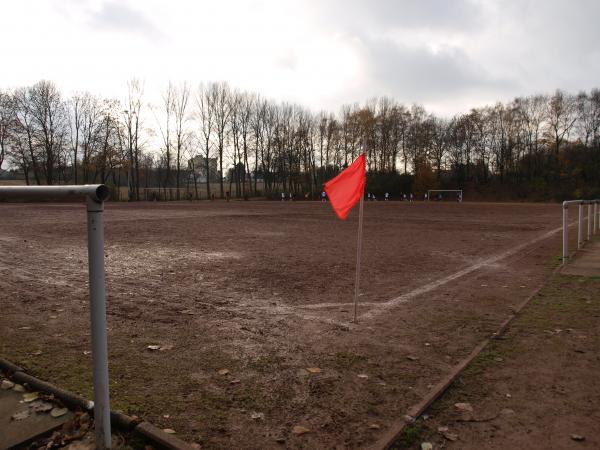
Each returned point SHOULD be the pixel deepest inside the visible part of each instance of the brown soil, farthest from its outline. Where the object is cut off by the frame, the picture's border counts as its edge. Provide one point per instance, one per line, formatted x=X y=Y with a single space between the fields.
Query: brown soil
x=263 y=289
x=536 y=388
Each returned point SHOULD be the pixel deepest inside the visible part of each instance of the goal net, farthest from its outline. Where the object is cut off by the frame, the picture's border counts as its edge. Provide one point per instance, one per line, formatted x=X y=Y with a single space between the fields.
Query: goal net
x=445 y=194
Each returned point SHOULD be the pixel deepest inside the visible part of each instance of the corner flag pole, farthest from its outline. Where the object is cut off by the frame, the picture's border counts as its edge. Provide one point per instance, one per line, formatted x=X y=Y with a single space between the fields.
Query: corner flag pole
x=358 y=254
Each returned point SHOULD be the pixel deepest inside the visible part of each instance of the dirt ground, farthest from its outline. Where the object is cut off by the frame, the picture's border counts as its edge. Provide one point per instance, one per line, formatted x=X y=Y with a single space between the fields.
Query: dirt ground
x=244 y=297
x=535 y=388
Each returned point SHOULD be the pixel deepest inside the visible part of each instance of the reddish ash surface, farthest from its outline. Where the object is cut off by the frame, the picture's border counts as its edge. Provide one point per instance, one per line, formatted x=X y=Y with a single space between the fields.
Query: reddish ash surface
x=261 y=289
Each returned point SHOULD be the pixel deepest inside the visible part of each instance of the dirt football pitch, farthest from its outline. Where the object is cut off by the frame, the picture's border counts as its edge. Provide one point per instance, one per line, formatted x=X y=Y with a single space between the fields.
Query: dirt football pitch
x=243 y=297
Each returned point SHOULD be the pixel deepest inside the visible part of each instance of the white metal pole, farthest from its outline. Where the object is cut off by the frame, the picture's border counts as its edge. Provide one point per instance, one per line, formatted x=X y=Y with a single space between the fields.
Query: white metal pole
x=595 y=217
x=358 y=256
x=580 y=228
x=589 y=230
x=565 y=234
x=95 y=227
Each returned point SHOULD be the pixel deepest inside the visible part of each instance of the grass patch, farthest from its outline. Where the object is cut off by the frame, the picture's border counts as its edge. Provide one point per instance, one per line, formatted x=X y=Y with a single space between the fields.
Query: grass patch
x=411 y=435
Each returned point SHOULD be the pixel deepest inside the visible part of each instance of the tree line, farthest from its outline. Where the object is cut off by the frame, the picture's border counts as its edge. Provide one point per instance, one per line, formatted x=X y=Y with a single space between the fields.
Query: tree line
x=540 y=146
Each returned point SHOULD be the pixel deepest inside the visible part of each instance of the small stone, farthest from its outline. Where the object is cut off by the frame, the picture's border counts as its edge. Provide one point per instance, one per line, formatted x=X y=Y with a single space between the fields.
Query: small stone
x=169 y=431
x=236 y=381
x=427 y=344
x=223 y=372
x=257 y=416
x=153 y=347
x=412 y=358
x=280 y=440
x=577 y=437
x=314 y=370
x=442 y=429
x=426 y=446
x=374 y=426
x=362 y=375
x=508 y=396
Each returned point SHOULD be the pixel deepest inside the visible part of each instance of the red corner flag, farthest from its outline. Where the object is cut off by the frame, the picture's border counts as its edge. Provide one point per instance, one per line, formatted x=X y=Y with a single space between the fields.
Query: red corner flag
x=345 y=190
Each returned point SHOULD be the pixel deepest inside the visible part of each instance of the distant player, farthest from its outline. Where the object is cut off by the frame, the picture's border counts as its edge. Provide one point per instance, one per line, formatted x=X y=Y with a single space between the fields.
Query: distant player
x=323 y=196
x=387 y=196
x=283 y=196
x=412 y=197
x=426 y=197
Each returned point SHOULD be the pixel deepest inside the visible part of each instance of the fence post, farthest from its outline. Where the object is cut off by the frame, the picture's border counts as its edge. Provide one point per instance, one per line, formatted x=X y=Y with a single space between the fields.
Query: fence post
x=589 y=224
x=95 y=226
x=580 y=228
x=595 y=217
x=565 y=233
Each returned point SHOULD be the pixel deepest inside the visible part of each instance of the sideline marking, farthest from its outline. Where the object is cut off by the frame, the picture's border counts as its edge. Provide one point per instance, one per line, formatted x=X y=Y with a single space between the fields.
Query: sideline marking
x=383 y=307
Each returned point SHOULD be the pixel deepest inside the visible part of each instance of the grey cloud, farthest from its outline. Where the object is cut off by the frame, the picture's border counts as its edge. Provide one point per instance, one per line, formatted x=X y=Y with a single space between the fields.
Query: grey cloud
x=460 y=15
x=418 y=74
x=117 y=16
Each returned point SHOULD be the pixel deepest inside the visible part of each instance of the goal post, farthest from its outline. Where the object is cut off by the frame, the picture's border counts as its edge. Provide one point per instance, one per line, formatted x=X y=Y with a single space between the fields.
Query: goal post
x=458 y=192
x=94 y=196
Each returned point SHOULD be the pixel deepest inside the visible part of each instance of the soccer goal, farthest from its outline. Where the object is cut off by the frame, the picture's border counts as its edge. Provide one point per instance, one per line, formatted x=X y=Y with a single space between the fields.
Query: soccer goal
x=443 y=194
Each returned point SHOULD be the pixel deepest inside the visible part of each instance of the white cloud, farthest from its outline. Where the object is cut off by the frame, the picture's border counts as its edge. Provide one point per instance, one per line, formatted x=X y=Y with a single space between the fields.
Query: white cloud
x=447 y=55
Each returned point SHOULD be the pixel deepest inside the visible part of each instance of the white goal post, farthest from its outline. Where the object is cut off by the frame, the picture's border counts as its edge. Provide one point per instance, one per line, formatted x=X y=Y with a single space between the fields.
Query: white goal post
x=593 y=222
x=440 y=191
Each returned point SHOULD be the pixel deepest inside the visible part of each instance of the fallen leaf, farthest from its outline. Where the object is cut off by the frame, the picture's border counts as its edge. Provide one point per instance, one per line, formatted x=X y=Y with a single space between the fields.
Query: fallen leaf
x=464 y=407
x=374 y=426
x=30 y=396
x=257 y=416
x=37 y=353
x=6 y=385
x=40 y=406
x=362 y=375
x=300 y=430
x=223 y=372
x=507 y=412
x=577 y=437
x=442 y=429
x=236 y=381
x=165 y=348
x=412 y=358
x=314 y=370
x=450 y=436
x=18 y=388
x=153 y=347
x=169 y=431
x=20 y=415
x=426 y=446
x=58 y=412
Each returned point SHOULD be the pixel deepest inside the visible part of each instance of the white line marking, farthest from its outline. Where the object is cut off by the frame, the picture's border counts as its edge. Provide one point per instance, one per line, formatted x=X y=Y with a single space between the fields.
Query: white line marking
x=383 y=307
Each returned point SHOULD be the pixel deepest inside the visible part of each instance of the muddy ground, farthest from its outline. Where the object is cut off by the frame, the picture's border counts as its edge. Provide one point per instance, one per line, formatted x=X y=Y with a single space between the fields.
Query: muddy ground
x=534 y=388
x=263 y=291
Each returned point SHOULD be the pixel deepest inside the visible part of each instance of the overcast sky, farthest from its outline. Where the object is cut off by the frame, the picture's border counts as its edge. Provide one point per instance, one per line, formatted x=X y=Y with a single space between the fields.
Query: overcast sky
x=446 y=54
